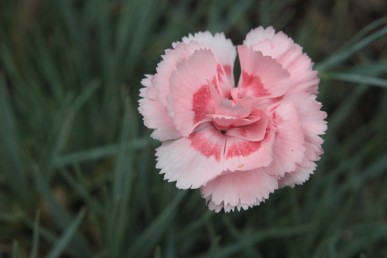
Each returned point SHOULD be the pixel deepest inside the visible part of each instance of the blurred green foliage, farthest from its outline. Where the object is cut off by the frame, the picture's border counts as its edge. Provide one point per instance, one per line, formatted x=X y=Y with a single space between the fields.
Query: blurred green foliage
x=77 y=174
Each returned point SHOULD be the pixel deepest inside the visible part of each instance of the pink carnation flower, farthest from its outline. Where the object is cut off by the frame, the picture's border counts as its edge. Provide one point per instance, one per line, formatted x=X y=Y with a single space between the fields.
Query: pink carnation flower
x=237 y=143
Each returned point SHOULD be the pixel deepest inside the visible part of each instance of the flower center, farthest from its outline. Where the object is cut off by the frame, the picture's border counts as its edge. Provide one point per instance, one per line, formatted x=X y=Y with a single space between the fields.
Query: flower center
x=235 y=111
x=224 y=122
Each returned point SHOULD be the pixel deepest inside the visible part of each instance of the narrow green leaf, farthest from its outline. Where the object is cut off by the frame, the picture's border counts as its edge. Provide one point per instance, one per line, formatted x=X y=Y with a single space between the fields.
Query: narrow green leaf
x=65 y=126
x=45 y=233
x=376 y=169
x=239 y=237
x=372 y=68
x=59 y=215
x=58 y=248
x=85 y=95
x=359 y=79
x=101 y=152
x=9 y=150
x=364 y=31
x=15 y=250
x=59 y=142
x=337 y=118
x=145 y=242
x=70 y=18
x=80 y=188
x=232 y=249
x=157 y=253
x=35 y=238
x=366 y=239
x=122 y=186
x=77 y=31
x=344 y=54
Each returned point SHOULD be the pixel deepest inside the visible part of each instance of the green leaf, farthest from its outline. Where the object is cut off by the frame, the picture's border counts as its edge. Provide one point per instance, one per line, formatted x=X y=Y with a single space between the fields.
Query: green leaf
x=359 y=79
x=59 y=247
x=15 y=250
x=60 y=216
x=12 y=165
x=35 y=238
x=349 y=50
x=101 y=152
x=144 y=243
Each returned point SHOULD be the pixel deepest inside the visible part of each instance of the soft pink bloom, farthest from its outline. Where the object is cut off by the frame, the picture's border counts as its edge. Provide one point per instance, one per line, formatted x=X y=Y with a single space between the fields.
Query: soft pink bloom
x=237 y=143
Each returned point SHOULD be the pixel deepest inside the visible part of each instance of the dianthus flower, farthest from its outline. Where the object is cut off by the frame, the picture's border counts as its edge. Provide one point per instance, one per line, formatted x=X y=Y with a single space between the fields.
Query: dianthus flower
x=237 y=143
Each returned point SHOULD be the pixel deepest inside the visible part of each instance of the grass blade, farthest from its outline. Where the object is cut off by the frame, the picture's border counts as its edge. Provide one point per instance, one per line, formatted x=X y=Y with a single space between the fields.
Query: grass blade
x=15 y=250
x=101 y=152
x=147 y=240
x=9 y=152
x=67 y=236
x=347 y=52
x=60 y=216
x=359 y=79
x=35 y=238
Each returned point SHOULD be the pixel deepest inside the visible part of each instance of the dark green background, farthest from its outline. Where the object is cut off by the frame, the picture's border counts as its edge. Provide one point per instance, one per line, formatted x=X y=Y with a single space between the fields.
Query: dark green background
x=77 y=174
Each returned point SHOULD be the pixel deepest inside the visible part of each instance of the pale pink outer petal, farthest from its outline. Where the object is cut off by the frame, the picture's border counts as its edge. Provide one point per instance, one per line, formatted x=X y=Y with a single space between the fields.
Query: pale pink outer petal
x=155 y=115
x=153 y=104
x=192 y=162
x=313 y=124
x=268 y=42
x=168 y=65
x=240 y=154
x=312 y=121
x=192 y=76
x=240 y=189
x=289 y=54
x=298 y=177
x=269 y=78
x=289 y=144
x=223 y=48
x=259 y=34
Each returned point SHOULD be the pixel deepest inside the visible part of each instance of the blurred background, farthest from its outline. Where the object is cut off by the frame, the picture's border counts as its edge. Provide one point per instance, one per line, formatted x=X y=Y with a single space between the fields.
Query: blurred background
x=77 y=176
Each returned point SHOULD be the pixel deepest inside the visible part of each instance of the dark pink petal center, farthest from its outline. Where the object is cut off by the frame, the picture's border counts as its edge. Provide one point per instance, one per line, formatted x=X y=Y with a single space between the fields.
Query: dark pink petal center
x=201 y=103
x=253 y=86
x=207 y=145
x=237 y=112
x=224 y=122
x=243 y=149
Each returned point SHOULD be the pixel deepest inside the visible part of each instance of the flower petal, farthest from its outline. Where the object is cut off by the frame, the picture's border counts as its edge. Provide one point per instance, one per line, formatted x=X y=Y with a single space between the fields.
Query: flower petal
x=262 y=76
x=191 y=97
x=289 y=145
x=259 y=34
x=252 y=132
x=268 y=42
x=239 y=189
x=193 y=161
x=241 y=154
x=313 y=124
x=223 y=48
x=289 y=54
x=169 y=63
x=225 y=121
x=155 y=115
x=153 y=105
x=297 y=177
x=300 y=69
